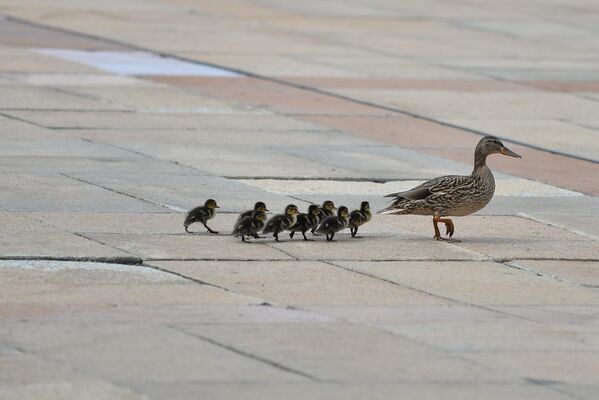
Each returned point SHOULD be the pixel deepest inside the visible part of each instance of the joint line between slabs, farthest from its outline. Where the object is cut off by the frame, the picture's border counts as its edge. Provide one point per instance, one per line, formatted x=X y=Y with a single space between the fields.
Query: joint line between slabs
x=249 y=355
x=421 y=291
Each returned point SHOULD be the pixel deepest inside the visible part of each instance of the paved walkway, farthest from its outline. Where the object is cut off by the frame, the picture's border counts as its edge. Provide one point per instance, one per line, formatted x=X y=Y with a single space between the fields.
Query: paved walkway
x=116 y=117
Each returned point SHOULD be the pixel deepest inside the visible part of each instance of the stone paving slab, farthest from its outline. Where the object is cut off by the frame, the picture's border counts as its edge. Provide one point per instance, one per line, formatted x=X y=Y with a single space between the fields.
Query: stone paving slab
x=64 y=283
x=476 y=282
x=26 y=237
x=299 y=283
x=584 y=273
x=38 y=98
x=329 y=352
x=506 y=237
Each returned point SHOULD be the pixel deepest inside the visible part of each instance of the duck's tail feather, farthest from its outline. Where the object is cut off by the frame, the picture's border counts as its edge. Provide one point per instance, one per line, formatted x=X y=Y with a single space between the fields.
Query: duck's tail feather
x=392 y=209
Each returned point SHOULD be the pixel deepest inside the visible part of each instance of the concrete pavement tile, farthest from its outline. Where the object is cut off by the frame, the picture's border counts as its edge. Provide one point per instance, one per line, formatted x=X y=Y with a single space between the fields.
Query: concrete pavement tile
x=569 y=368
x=565 y=211
x=28 y=97
x=376 y=247
x=583 y=317
x=12 y=129
x=299 y=283
x=201 y=246
x=118 y=357
x=584 y=273
x=26 y=237
x=42 y=192
x=15 y=60
x=485 y=283
x=140 y=223
x=159 y=121
x=344 y=352
x=585 y=224
x=90 y=284
x=507 y=237
x=72 y=81
x=549 y=134
x=52 y=381
x=182 y=192
x=354 y=391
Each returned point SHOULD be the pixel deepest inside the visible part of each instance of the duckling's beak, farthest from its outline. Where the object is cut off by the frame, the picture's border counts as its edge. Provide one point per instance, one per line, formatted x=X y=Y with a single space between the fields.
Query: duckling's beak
x=216 y=206
x=507 y=152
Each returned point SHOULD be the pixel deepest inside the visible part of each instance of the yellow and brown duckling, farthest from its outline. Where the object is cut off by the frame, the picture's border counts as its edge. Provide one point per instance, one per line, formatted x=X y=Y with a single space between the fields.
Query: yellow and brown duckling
x=259 y=206
x=452 y=195
x=281 y=222
x=359 y=217
x=327 y=210
x=202 y=214
x=306 y=221
x=333 y=224
x=250 y=225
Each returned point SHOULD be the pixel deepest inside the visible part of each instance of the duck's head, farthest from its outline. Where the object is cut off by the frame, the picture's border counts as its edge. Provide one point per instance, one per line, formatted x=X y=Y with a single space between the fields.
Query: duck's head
x=314 y=210
x=491 y=145
x=365 y=206
x=343 y=212
x=210 y=204
x=328 y=205
x=260 y=206
x=259 y=215
x=291 y=210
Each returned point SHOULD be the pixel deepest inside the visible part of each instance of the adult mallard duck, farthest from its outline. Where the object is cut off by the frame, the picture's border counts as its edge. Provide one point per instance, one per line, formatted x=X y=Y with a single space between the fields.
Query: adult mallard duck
x=452 y=195
x=202 y=214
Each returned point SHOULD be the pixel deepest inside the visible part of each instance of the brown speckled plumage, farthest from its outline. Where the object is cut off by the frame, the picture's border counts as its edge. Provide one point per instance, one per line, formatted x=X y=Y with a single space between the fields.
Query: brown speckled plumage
x=452 y=195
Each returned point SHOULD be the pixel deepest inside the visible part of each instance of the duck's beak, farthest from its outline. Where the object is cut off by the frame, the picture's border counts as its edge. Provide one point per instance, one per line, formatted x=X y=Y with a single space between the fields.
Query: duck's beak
x=507 y=152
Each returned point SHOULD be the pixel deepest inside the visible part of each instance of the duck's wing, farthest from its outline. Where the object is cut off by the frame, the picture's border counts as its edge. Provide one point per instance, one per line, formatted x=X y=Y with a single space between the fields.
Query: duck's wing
x=442 y=184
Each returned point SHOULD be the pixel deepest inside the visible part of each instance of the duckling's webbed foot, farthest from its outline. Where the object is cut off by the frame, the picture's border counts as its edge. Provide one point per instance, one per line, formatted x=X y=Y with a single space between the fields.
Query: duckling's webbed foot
x=330 y=237
x=210 y=230
x=187 y=229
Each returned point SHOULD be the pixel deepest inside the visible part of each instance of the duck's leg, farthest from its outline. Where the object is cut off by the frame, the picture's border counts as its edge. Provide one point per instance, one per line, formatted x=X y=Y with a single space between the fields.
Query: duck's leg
x=449 y=229
x=210 y=230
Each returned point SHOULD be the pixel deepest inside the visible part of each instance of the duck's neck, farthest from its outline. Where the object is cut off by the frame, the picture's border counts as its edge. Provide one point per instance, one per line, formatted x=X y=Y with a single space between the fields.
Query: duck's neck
x=480 y=162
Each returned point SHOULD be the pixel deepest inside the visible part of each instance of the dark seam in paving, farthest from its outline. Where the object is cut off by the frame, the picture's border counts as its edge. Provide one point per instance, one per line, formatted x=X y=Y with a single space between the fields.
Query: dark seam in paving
x=560 y=227
x=107 y=260
x=23 y=120
x=65 y=110
x=99 y=242
x=303 y=87
x=112 y=190
x=281 y=250
x=186 y=277
x=462 y=303
x=247 y=354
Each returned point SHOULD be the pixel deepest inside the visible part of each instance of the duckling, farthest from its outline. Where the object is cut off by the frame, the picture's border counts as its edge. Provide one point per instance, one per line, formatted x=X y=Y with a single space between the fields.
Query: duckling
x=202 y=214
x=333 y=224
x=280 y=222
x=452 y=195
x=258 y=206
x=327 y=210
x=250 y=226
x=306 y=221
x=359 y=217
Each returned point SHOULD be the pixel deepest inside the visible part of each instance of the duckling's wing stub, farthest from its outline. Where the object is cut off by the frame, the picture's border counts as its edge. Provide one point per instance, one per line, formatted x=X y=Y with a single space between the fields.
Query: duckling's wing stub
x=198 y=214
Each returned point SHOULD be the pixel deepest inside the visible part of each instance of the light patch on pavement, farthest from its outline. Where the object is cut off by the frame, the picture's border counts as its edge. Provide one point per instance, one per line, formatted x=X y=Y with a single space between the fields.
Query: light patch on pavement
x=504 y=187
x=60 y=266
x=137 y=63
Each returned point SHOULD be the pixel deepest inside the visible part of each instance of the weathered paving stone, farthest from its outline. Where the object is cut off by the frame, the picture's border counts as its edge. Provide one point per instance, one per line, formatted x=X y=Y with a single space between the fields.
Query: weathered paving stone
x=300 y=283
x=584 y=273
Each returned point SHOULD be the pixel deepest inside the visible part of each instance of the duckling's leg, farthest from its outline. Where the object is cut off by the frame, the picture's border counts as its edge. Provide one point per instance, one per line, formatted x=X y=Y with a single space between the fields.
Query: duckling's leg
x=305 y=238
x=186 y=229
x=256 y=236
x=243 y=238
x=210 y=230
x=449 y=229
x=291 y=234
x=276 y=235
x=314 y=231
x=330 y=238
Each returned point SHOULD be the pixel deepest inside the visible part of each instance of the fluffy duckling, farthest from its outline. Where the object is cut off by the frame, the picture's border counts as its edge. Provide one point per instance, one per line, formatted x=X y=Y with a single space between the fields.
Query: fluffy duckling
x=333 y=224
x=452 y=195
x=306 y=221
x=359 y=217
x=327 y=210
x=259 y=206
x=202 y=214
x=280 y=222
x=250 y=225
